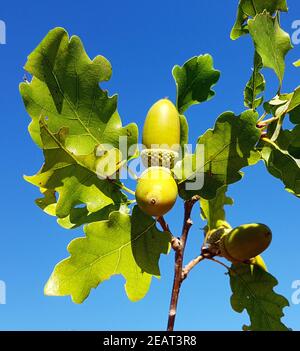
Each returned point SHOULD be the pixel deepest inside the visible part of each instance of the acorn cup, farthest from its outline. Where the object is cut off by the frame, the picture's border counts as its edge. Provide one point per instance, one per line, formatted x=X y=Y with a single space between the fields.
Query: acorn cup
x=161 y=135
x=245 y=242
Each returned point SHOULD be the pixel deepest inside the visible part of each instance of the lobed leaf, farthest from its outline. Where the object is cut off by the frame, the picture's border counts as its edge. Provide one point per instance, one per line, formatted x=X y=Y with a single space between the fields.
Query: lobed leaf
x=213 y=210
x=65 y=89
x=250 y=8
x=252 y=290
x=255 y=86
x=72 y=119
x=271 y=42
x=280 y=162
x=228 y=148
x=123 y=244
x=194 y=81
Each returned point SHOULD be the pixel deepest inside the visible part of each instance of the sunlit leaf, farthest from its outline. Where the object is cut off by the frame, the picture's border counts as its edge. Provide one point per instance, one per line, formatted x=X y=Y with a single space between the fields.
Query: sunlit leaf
x=250 y=8
x=124 y=244
x=271 y=42
x=227 y=148
x=255 y=86
x=194 y=81
x=213 y=210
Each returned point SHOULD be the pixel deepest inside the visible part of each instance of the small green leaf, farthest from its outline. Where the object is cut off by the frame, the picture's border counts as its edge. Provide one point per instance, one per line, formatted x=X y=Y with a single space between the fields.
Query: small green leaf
x=250 y=8
x=126 y=245
x=255 y=86
x=271 y=42
x=240 y=26
x=194 y=81
x=227 y=148
x=213 y=210
x=252 y=290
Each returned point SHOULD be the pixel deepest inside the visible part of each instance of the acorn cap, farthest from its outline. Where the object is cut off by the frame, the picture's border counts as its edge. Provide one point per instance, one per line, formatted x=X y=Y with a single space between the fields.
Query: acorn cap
x=159 y=157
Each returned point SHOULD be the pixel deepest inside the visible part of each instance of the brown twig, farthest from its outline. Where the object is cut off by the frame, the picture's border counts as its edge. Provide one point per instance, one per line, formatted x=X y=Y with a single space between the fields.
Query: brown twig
x=163 y=224
x=179 y=254
x=186 y=270
x=175 y=242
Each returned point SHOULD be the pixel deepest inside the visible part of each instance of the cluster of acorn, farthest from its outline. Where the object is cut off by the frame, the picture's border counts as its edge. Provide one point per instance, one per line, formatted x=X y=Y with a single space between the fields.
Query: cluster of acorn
x=157 y=189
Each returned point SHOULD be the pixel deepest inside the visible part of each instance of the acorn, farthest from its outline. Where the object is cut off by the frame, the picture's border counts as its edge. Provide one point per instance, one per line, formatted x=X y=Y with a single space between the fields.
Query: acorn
x=161 y=135
x=245 y=242
x=156 y=191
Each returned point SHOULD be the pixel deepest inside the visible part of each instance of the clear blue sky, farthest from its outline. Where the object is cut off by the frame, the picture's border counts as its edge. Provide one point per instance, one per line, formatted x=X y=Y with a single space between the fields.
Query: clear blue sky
x=142 y=40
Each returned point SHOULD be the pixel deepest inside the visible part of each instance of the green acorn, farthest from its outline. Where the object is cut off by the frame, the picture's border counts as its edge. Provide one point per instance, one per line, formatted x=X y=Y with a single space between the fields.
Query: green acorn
x=156 y=191
x=245 y=242
x=161 y=135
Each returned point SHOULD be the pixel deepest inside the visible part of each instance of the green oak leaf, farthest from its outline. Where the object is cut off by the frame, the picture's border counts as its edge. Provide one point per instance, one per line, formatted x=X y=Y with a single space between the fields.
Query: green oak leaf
x=255 y=86
x=78 y=215
x=213 y=210
x=71 y=176
x=194 y=81
x=123 y=244
x=227 y=148
x=295 y=115
x=282 y=104
x=293 y=106
x=65 y=90
x=184 y=132
x=294 y=145
x=240 y=26
x=252 y=290
x=280 y=163
x=250 y=8
x=271 y=42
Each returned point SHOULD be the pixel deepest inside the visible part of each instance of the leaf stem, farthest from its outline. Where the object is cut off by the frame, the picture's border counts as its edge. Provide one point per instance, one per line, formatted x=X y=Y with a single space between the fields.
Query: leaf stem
x=179 y=255
x=128 y=190
x=267 y=140
x=122 y=186
x=262 y=117
x=219 y=262
x=266 y=122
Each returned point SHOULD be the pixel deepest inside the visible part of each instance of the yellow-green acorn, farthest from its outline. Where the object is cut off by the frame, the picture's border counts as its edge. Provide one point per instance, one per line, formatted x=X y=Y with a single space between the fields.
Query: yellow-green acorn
x=245 y=242
x=156 y=191
x=161 y=135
